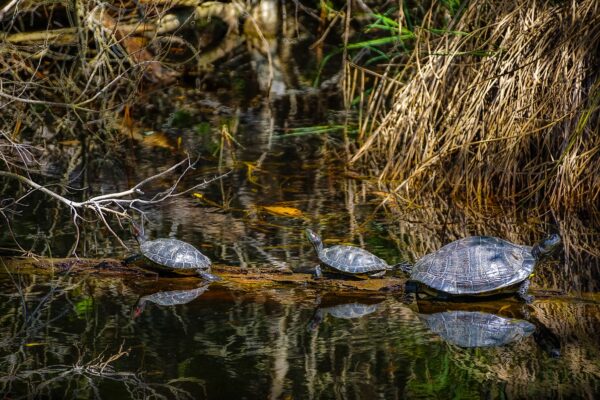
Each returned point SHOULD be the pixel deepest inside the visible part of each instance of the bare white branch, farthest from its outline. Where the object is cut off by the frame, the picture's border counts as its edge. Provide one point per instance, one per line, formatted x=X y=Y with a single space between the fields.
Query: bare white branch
x=114 y=203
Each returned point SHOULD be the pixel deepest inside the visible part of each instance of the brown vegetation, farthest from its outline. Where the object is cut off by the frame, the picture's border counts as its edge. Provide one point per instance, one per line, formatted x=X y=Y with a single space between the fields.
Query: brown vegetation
x=503 y=105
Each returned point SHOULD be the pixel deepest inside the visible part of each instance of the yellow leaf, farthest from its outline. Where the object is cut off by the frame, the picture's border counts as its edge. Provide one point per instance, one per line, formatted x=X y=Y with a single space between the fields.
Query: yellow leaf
x=205 y=200
x=157 y=139
x=283 y=211
x=32 y=344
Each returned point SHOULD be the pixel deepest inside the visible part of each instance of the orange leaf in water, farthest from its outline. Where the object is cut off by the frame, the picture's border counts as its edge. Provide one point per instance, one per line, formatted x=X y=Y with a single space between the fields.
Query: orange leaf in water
x=290 y=212
x=158 y=139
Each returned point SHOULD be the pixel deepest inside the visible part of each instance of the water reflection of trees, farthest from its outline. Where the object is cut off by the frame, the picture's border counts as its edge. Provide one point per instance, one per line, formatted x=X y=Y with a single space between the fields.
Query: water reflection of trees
x=233 y=343
x=53 y=345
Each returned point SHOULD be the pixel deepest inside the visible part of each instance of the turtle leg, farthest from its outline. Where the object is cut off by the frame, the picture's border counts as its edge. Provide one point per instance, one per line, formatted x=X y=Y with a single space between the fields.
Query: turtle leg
x=207 y=276
x=379 y=274
x=522 y=292
x=318 y=272
x=410 y=293
x=133 y=258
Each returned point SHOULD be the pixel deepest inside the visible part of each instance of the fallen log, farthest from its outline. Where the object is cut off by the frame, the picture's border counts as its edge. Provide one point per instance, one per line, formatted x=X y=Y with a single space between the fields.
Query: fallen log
x=233 y=277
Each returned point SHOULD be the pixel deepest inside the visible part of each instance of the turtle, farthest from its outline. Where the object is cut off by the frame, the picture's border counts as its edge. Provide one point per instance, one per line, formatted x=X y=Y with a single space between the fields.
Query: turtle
x=480 y=266
x=347 y=260
x=343 y=311
x=172 y=255
x=169 y=298
x=477 y=329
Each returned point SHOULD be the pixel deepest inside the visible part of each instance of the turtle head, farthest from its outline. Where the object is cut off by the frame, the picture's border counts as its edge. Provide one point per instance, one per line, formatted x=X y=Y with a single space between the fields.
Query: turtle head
x=546 y=246
x=315 y=240
x=138 y=232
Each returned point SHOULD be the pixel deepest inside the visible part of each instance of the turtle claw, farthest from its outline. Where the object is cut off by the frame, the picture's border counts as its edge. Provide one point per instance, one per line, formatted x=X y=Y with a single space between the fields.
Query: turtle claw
x=207 y=276
x=378 y=274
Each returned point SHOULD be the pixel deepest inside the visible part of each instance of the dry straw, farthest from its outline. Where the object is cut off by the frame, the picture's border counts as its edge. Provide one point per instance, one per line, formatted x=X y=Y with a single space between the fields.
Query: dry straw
x=508 y=110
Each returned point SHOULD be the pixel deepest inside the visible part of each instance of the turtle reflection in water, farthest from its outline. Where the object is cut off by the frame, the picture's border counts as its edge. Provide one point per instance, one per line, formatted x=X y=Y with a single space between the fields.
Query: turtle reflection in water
x=169 y=298
x=479 y=266
x=344 y=311
x=172 y=256
x=477 y=329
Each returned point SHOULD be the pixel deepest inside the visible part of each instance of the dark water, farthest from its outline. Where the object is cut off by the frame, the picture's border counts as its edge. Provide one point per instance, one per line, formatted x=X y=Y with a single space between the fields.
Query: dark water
x=71 y=337
x=78 y=339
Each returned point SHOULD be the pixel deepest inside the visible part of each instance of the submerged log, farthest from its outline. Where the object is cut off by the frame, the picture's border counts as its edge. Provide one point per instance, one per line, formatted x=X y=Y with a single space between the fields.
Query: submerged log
x=234 y=277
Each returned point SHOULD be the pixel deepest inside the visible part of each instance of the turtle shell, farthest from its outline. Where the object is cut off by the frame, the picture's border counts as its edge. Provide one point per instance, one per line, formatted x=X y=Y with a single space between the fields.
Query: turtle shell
x=477 y=329
x=175 y=254
x=475 y=265
x=352 y=260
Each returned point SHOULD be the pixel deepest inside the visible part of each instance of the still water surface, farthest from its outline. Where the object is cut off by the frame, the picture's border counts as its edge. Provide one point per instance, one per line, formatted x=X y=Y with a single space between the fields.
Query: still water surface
x=84 y=339
x=72 y=337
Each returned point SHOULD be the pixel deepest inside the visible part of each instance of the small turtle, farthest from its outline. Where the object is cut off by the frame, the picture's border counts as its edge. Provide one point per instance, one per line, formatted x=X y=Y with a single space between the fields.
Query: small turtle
x=169 y=298
x=477 y=329
x=480 y=265
x=347 y=260
x=343 y=311
x=172 y=255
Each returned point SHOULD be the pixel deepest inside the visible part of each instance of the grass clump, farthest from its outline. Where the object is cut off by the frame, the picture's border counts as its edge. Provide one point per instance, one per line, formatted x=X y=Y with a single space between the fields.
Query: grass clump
x=507 y=109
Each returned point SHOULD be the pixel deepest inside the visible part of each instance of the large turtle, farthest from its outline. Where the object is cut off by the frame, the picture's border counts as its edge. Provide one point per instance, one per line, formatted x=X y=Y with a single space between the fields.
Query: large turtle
x=480 y=265
x=477 y=329
x=347 y=260
x=172 y=255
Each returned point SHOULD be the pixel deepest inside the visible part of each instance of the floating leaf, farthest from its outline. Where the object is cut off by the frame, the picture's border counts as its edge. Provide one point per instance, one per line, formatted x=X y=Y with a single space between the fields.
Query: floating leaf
x=290 y=212
x=158 y=139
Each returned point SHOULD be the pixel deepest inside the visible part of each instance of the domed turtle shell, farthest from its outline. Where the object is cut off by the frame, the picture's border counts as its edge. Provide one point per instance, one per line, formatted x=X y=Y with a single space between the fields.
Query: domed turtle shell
x=175 y=254
x=477 y=329
x=347 y=259
x=352 y=260
x=475 y=265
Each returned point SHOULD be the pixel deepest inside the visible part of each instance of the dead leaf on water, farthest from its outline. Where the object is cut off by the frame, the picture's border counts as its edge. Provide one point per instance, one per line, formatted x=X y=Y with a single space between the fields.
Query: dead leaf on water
x=158 y=139
x=282 y=211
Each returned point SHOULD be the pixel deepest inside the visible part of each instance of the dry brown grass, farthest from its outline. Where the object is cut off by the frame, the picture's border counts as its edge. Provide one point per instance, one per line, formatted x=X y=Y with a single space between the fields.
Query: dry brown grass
x=507 y=111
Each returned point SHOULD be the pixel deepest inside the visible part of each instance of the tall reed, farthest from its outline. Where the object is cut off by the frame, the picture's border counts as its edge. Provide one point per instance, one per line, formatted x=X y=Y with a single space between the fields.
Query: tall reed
x=503 y=105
